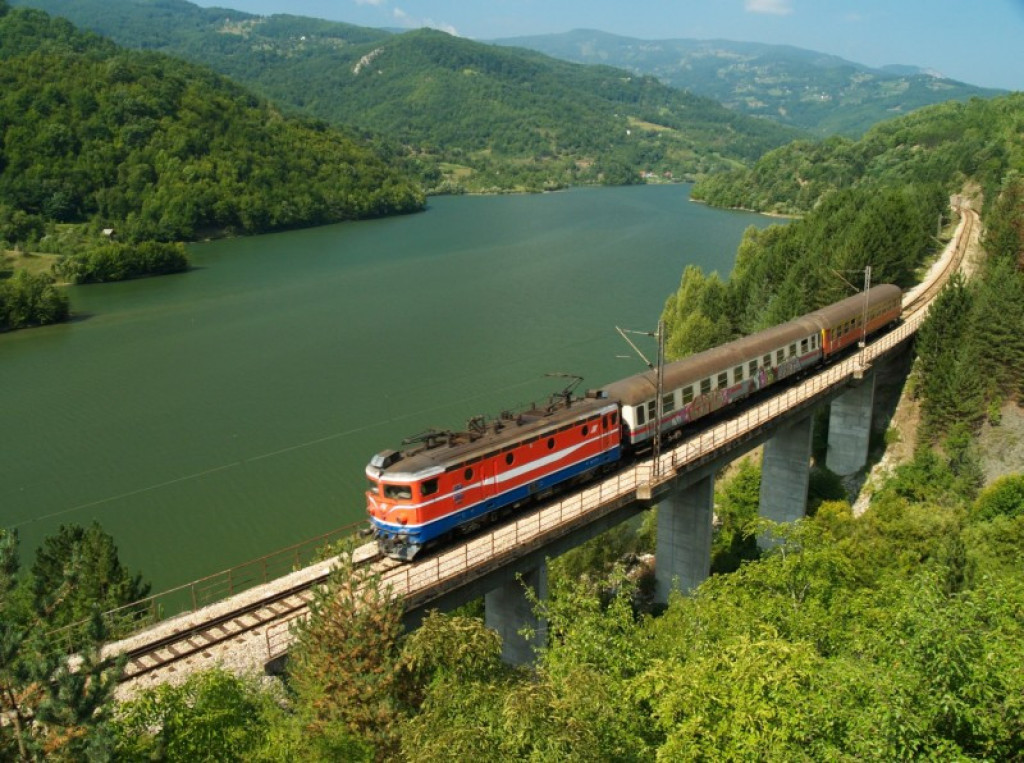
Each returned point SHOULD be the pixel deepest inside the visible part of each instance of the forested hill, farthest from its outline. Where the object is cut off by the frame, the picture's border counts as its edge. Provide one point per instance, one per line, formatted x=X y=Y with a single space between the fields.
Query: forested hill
x=814 y=91
x=472 y=116
x=943 y=144
x=159 y=149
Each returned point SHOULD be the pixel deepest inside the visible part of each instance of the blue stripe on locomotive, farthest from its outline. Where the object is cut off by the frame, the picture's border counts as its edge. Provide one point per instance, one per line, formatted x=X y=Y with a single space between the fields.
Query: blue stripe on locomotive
x=429 y=531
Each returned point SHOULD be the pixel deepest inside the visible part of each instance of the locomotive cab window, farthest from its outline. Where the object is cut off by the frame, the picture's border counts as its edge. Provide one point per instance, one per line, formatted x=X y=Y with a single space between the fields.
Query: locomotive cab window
x=372 y=487
x=398 y=491
x=428 y=487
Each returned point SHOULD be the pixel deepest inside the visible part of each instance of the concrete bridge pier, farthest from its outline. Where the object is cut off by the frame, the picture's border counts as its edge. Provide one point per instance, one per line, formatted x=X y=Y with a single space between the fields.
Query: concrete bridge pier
x=849 y=428
x=683 y=550
x=508 y=610
x=785 y=475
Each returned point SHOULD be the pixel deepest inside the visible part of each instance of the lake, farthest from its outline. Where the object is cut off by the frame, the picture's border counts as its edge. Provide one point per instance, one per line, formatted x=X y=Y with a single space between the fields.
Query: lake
x=208 y=418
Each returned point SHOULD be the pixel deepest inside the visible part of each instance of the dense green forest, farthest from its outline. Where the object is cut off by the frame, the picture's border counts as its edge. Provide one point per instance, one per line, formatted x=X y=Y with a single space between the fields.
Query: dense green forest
x=460 y=115
x=946 y=144
x=817 y=92
x=156 y=151
x=893 y=635
x=881 y=201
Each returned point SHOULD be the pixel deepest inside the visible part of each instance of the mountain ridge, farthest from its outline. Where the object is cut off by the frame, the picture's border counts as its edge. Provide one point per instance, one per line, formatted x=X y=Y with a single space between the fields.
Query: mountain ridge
x=461 y=114
x=818 y=92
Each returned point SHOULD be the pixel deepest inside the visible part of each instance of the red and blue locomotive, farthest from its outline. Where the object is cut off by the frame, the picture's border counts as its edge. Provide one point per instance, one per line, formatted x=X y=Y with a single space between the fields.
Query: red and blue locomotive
x=450 y=482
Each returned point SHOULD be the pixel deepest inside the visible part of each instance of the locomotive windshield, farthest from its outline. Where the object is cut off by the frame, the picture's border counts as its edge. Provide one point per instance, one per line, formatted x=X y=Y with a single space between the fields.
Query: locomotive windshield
x=397 y=491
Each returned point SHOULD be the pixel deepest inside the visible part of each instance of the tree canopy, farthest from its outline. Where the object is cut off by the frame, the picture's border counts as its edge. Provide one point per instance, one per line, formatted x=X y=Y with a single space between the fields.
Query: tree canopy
x=157 y=150
x=461 y=115
x=944 y=144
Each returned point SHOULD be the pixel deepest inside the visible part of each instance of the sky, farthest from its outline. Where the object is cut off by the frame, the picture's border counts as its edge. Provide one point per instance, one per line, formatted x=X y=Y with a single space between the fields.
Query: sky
x=980 y=42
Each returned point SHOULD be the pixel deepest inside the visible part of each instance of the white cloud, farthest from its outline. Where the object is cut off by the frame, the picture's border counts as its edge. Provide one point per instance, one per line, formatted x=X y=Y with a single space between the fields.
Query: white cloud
x=370 y=2
x=409 y=22
x=773 y=7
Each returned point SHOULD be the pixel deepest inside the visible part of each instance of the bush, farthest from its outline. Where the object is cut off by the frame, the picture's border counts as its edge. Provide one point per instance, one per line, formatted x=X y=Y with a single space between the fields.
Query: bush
x=1003 y=498
x=116 y=261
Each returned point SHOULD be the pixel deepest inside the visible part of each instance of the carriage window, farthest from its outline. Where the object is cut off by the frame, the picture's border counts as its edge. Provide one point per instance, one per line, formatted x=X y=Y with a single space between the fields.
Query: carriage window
x=766 y=361
x=737 y=374
x=705 y=387
x=668 y=403
x=803 y=345
x=428 y=487
x=640 y=418
x=397 y=491
x=723 y=380
x=780 y=356
x=792 y=350
x=687 y=395
x=752 y=369
x=652 y=410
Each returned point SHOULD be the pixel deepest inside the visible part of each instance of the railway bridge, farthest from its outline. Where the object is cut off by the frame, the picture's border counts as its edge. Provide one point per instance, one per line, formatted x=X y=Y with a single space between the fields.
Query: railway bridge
x=250 y=631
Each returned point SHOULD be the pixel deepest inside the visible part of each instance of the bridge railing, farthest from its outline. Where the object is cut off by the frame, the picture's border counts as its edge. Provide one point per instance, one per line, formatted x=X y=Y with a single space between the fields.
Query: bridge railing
x=206 y=590
x=444 y=569
x=486 y=550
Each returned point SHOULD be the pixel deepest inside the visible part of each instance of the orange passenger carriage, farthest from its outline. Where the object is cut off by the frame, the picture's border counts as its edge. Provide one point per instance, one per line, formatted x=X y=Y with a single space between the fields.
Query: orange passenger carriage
x=452 y=482
x=842 y=324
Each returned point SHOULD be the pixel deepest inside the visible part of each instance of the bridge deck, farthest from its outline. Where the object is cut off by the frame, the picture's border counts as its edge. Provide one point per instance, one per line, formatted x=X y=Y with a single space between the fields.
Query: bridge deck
x=248 y=635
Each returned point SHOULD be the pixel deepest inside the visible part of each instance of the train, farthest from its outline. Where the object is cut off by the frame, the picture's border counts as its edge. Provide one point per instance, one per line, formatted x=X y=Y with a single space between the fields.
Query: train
x=444 y=483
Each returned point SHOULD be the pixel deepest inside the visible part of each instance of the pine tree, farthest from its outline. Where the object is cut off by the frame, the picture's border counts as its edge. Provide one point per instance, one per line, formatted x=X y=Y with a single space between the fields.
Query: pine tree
x=997 y=327
x=55 y=706
x=344 y=666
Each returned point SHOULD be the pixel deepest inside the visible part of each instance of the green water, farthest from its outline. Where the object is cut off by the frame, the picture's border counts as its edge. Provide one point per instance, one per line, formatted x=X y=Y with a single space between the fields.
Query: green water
x=208 y=418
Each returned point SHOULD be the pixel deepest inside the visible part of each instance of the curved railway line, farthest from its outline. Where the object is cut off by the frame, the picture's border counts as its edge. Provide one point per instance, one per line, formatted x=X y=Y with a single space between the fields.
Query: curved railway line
x=258 y=621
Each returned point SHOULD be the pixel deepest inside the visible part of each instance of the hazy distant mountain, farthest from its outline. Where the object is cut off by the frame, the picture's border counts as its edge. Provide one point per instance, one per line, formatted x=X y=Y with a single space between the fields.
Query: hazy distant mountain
x=813 y=91
x=495 y=117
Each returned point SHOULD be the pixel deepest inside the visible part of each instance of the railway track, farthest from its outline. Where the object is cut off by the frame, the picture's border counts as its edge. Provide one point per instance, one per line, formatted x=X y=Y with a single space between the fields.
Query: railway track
x=198 y=634
x=950 y=265
x=273 y=607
